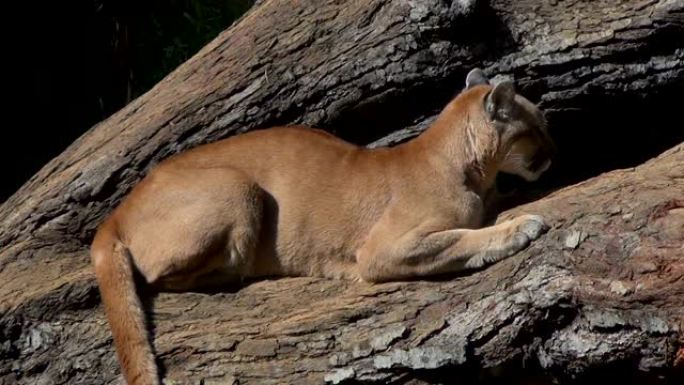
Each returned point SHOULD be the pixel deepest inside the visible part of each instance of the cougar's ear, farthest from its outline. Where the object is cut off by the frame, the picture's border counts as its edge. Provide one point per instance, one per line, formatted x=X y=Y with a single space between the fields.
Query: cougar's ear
x=499 y=101
x=475 y=78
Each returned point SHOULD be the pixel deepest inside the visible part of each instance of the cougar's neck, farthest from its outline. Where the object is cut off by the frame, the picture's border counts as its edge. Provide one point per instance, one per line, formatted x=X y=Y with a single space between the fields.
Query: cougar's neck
x=461 y=145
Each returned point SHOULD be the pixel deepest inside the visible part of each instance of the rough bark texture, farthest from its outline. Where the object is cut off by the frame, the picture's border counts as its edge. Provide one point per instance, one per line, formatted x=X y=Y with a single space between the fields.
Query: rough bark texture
x=601 y=295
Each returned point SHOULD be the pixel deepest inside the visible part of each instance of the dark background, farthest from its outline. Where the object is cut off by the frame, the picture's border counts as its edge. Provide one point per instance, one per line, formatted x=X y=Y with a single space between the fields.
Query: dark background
x=75 y=62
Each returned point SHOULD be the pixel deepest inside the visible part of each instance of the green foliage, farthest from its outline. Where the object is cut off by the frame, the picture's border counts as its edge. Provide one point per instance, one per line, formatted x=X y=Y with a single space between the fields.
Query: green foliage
x=171 y=31
x=150 y=38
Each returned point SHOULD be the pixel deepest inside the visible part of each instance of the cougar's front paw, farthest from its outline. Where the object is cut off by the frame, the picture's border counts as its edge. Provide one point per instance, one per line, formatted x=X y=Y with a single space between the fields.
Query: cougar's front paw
x=527 y=229
x=532 y=226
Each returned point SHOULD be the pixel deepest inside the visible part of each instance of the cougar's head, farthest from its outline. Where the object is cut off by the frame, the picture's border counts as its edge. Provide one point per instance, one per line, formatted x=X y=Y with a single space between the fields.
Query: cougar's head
x=525 y=148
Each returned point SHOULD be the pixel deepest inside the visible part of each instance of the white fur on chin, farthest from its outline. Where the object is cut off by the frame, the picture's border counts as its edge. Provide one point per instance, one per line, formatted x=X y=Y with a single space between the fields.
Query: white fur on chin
x=533 y=176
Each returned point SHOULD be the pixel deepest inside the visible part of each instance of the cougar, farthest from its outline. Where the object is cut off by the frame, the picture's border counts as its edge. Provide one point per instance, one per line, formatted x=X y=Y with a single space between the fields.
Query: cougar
x=294 y=201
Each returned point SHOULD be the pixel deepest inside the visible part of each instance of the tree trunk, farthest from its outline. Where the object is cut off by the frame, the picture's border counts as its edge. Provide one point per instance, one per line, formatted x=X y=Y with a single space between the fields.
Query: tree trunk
x=599 y=296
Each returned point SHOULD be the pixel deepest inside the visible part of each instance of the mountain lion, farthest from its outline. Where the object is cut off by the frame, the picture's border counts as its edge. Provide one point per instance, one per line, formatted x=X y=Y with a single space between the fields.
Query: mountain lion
x=293 y=201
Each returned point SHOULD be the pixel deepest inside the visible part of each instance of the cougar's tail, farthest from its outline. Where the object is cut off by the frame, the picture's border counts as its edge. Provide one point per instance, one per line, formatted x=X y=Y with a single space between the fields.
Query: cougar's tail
x=114 y=272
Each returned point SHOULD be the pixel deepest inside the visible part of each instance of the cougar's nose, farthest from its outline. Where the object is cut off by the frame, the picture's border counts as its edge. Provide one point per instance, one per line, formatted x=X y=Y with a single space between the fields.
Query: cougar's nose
x=539 y=159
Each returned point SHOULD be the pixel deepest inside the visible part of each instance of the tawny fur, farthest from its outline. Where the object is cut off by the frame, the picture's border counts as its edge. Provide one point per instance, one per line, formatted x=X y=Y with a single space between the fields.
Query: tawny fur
x=293 y=201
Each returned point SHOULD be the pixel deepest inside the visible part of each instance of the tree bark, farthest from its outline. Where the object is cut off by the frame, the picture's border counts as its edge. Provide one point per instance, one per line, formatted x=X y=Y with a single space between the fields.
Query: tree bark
x=601 y=295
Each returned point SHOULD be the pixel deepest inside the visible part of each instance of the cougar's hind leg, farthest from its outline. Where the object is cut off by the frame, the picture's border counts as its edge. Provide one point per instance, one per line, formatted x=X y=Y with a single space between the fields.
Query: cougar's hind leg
x=198 y=228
